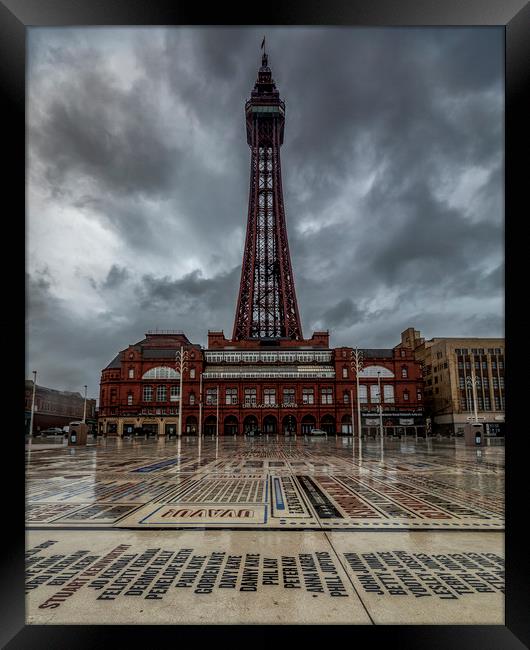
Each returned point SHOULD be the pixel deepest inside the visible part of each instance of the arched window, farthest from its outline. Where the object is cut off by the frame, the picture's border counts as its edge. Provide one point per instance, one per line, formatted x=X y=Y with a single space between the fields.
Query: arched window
x=210 y=425
x=406 y=395
x=404 y=371
x=192 y=398
x=161 y=372
x=346 y=397
x=131 y=373
x=327 y=424
x=129 y=399
x=270 y=424
x=308 y=423
x=346 y=424
x=371 y=371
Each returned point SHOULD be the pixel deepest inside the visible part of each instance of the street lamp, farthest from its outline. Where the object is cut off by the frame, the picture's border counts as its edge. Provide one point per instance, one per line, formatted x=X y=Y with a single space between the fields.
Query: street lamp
x=33 y=403
x=200 y=404
x=380 y=405
x=471 y=383
x=357 y=366
x=217 y=414
x=181 y=362
x=84 y=408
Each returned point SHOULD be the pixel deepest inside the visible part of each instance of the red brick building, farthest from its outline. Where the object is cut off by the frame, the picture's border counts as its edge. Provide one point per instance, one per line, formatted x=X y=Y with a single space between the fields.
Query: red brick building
x=56 y=408
x=267 y=378
x=268 y=386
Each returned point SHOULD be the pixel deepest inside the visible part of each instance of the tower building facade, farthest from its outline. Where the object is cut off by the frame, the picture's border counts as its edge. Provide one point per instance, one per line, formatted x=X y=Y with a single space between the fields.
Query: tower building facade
x=266 y=378
x=267 y=306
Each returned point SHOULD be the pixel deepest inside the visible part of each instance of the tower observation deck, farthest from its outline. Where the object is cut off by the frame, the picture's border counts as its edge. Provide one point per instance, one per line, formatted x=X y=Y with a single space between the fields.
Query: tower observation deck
x=266 y=306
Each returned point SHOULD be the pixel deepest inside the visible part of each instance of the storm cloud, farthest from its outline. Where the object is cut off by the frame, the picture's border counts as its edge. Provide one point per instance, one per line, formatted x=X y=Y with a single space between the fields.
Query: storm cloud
x=138 y=173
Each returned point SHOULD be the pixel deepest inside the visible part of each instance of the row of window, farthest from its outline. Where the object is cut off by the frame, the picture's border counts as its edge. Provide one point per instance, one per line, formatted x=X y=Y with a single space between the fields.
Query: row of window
x=259 y=374
x=484 y=365
x=166 y=372
x=160 y=394
x=161 y=372
x=267 y=357
x=53 y=408
x=483 y=381
x=482 y=404
x=491 y=351
x=308 y=395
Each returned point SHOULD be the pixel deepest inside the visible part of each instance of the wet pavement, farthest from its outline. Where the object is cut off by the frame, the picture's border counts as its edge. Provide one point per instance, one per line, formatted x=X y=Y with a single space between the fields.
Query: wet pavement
x=265 y=530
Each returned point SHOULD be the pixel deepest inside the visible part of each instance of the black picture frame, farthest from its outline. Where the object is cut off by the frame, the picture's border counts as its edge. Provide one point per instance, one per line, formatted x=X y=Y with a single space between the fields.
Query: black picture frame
x=15 y=17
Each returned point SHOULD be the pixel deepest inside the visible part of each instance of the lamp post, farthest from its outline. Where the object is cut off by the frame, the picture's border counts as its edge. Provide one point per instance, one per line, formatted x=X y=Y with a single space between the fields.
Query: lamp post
x=380 y=405
x=181 y=362
x=84 y=408
x=200 y=405
x=33 y=403
x=217 y=414
x=357 y=366
x=471 y=383
x=352 y=429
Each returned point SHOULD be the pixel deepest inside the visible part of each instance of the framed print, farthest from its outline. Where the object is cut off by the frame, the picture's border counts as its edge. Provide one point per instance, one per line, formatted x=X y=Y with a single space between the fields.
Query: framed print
x=323 y=202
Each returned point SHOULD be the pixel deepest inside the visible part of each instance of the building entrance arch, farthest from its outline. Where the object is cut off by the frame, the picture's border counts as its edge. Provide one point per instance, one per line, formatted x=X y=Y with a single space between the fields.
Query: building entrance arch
x=289 y=425
x=250 y=424
x=308 y=423
x=270 y=424
x=327 y=424
x=210 y=425
x=346 y=425
x=191 y=425
x=150 y=429
x=230 y=426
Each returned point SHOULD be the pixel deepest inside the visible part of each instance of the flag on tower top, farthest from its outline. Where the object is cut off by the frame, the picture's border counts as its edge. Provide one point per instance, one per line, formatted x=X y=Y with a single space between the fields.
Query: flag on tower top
x=263 y=43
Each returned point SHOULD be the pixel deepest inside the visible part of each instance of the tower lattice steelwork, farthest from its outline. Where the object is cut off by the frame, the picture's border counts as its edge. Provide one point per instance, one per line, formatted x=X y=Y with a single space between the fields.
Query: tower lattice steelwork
x=266 y=307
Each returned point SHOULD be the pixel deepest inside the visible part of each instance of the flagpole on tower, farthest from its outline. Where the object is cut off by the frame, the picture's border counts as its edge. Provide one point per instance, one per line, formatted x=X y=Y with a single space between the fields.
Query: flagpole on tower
x=264 y=56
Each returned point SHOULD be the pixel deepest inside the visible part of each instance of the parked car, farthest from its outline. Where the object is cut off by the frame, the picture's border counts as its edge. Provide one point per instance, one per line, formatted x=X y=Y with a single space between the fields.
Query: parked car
x=52 y=431
x=318 y=432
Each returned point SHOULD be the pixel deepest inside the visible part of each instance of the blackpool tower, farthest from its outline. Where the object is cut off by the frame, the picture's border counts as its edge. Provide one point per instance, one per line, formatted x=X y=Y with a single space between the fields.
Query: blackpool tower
x=266 y=306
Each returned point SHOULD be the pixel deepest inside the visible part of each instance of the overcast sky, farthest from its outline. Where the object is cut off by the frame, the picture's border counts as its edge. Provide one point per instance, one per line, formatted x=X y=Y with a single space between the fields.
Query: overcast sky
x=138 y=172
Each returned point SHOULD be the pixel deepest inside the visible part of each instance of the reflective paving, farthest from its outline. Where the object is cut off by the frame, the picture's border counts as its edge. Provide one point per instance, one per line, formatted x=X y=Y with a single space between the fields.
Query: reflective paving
x=265 y=530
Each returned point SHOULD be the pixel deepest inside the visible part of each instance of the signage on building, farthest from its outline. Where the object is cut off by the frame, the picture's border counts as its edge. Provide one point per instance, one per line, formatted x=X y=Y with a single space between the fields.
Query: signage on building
x=394 y=414
x=287 y=405
x=371 y=422
x=493 y=429
x=406 y=421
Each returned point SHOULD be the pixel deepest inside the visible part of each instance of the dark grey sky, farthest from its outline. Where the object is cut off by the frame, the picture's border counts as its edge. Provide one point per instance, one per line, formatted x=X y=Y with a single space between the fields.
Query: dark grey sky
x=138 y=173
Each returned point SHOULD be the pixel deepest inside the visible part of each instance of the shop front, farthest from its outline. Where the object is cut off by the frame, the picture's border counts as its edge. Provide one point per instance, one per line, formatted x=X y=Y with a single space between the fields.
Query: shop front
x=394 y=424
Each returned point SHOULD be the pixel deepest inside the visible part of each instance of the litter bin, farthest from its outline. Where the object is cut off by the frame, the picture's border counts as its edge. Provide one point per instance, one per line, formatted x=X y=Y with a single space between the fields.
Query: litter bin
x=77 y=434
x=474 y=434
